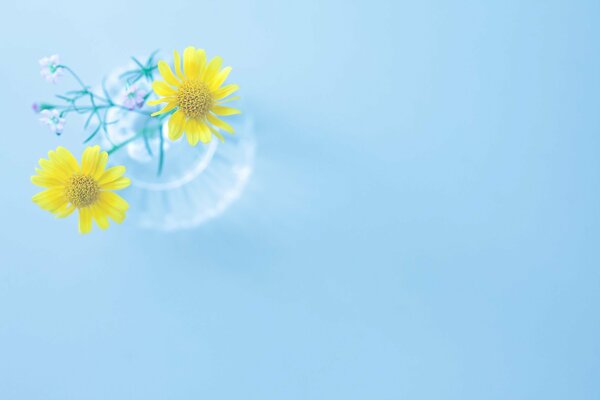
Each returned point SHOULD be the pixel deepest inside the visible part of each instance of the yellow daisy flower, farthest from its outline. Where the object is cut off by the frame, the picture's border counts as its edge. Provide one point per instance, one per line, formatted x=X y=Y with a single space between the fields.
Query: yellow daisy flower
x=85 y=188
x=197 y=94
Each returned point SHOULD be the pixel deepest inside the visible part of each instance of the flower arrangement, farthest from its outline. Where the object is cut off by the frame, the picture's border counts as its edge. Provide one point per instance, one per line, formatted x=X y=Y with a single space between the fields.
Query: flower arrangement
x=194 y=95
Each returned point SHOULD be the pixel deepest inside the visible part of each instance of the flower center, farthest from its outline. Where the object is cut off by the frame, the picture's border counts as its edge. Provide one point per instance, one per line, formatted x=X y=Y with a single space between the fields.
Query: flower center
x=82 y=190
x=194 y=98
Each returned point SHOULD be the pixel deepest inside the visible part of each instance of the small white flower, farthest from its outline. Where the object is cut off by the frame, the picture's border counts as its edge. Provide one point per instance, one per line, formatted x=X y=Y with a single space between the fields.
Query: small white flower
x=134 y=97
x=49 y=68
x=53 y=120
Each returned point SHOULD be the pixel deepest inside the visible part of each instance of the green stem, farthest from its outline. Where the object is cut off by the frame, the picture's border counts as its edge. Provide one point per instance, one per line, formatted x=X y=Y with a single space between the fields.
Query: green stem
x=77 y=78
x=140 y=134
x=125 y=143
x=161 y=149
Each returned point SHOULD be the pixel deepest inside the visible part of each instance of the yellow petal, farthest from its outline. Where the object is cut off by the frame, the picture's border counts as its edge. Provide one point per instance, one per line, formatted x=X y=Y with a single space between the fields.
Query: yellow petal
x=220 y=78
x=176 y=125
x=219 y=123
x=204 y=133
x=212 y=69
x=102 y=160
x=64 y=211
x=89 y=161
x=202 y=55
x=220 y=110
x=228 y=100
x=191 y=63
x=93 y=161
x=85 y=220
x=58 y=163
x=113 y=200
x=111 y=174
x=191 y=128
x=64 y=157
x=166 y=109
x=190 y=137
x=116 y=215
x=44 y=181
x=167 y=74
x=46 y=194
x=51 y=170
x=216 y=133
x=177 y=63
x=99 y=217
x=119 y=183
x=162 y=89
x=50 y=199
x=68 y=157
x=225 y=91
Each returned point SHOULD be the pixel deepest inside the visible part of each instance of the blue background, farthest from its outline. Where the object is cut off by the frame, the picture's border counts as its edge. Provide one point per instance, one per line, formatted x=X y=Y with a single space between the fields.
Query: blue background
x=422 y=223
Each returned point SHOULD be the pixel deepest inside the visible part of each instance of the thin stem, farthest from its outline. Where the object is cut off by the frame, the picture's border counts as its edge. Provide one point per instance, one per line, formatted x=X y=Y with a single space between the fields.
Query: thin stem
x=77 y=78
x=135 y=110
x=125 y=143
x=142 y=133
x=161 y=154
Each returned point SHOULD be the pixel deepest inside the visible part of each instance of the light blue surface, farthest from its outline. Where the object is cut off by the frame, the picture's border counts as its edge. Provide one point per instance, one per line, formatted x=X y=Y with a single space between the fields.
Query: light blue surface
x=422 y=223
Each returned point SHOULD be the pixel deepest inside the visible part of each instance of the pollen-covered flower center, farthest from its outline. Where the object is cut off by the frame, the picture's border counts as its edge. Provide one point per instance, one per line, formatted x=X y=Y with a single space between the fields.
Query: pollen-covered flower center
x=82 y=190
x=194 y=99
